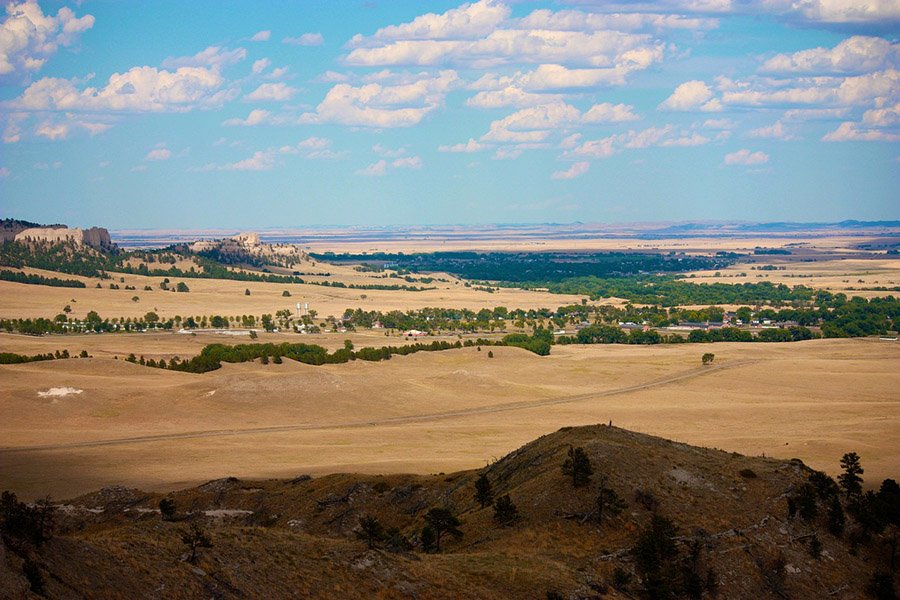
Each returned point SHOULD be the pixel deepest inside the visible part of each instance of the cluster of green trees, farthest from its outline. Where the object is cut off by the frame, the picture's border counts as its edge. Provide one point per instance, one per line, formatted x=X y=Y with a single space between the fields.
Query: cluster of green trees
x=667 y=290
x=535 y=266
x=32 y=279
x=11 y=358
x=441 y=319
x=835 y=313
x=213 y=355
x=371 y=286
x=611 y=334
x=208 y=269
x=64 y=257
x=539 y=342
x=62 y=323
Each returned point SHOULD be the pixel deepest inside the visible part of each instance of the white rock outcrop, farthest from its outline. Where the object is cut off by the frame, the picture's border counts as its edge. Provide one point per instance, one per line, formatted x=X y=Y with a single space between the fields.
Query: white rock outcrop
x=95 y=237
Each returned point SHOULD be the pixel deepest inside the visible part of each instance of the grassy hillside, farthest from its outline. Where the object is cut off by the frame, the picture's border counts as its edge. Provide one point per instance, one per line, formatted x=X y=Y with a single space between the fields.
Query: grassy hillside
x=298 y=538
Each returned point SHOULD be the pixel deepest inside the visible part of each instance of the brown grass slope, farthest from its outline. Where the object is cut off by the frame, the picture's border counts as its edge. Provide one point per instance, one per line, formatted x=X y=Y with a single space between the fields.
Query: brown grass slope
x=295 y=538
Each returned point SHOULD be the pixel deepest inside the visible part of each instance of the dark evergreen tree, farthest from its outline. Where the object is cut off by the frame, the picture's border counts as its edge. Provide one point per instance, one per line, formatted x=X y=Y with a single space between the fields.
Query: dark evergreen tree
x=607 y=504
x=578 y=466
x=442 y=522
x=484 y=493
x=805 y=502
x=428 y=539
x=167 y=509
x=21 y=523
x=395 y=541
x=656 y=559
x=370 y=531
x=505 y=512
x=824 y=485
x=850 y=479
x=836 y=518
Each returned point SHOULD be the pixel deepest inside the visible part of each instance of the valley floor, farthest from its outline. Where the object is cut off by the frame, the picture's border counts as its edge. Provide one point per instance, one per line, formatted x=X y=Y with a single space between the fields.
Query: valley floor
x=75 y=425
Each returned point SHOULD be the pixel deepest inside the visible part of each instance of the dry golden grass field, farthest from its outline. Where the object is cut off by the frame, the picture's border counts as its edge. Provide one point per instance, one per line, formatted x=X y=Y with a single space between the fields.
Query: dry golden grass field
x=431 y=412
x=227 y=297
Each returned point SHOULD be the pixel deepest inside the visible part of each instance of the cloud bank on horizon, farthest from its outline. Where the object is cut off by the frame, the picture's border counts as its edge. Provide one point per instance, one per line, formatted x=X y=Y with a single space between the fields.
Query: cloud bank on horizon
x=345 y=112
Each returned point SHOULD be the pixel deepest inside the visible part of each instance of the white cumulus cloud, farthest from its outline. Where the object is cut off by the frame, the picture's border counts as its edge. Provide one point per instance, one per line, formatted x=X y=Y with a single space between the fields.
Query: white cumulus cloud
x=376 y=169
x=691 y=95
x=609 y=113
x=576 y=170
x=213 y=56
x=775 y=131
x=857 y=54
x=272 y=92
x=746 y=157
x=257 y=116
x=468 y=147
x=261 y=65
x=28 y=37
x=306 y=39
x=850 y=132
x=158 y=154
x=383 y=106
x=140 y=89
x=468 y=21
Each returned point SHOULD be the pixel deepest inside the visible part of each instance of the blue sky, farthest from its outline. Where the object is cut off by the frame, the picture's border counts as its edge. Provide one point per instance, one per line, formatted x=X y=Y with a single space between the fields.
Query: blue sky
x=249 y=114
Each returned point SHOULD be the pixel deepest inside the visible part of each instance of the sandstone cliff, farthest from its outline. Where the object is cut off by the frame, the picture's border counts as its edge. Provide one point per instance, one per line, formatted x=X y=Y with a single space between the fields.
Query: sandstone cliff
x=95 y=237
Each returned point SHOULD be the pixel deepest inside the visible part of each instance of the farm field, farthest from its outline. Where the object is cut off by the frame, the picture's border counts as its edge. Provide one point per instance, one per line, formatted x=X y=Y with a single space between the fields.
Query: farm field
x=125 y=424
x=850 y=276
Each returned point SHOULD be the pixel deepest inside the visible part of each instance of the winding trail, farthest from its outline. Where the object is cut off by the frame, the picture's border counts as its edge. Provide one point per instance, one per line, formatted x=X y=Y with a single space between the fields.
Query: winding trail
x=387 y=421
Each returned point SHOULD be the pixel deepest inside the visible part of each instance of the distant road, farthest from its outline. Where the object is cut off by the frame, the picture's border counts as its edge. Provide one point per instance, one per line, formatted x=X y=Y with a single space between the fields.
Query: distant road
x=420 y=418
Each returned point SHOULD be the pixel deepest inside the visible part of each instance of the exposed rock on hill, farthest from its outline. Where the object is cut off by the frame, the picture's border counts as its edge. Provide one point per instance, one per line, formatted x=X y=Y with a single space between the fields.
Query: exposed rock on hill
x=95 y=237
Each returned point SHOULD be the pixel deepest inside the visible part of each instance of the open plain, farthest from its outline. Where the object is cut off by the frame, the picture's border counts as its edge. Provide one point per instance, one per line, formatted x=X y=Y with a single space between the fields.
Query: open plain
x=120 y=423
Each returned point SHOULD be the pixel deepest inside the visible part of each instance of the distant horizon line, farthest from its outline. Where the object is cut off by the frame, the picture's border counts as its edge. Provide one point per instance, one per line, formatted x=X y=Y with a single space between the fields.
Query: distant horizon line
x=683 y=224
x=518 y=224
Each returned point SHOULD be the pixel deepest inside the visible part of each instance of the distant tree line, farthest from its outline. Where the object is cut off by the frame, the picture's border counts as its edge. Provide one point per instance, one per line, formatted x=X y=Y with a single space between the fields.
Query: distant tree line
x=535 y=266
x=213 y=355
x=33 y=279
x=668 y=290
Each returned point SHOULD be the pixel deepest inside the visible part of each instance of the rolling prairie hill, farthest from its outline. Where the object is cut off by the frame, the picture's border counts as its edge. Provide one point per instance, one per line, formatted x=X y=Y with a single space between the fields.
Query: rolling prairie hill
x=297 y=538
